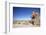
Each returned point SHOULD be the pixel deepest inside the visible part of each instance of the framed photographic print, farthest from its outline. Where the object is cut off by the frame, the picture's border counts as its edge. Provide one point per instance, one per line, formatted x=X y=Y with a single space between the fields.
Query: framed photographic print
x=22 y=15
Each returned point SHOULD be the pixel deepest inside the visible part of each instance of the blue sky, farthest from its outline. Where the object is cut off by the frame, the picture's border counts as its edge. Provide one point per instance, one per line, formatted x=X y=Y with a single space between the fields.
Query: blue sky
x=23 y=13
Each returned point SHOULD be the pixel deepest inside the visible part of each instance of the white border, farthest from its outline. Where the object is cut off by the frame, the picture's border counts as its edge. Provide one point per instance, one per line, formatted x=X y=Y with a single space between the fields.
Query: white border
x=32 y=28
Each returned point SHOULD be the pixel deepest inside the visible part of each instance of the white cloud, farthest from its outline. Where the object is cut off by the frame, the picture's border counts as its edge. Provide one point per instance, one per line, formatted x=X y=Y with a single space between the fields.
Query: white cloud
x=22 y=19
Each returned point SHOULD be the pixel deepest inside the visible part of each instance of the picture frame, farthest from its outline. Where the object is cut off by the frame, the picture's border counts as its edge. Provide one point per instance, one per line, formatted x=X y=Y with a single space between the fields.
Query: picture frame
x=10 y=6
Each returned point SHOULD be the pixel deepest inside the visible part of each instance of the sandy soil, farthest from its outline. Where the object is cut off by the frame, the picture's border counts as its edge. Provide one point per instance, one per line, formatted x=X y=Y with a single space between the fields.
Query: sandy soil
x=23 y=24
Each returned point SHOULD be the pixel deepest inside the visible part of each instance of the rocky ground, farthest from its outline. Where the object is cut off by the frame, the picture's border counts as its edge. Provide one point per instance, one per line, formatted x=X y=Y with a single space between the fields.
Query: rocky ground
x=24 y=23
